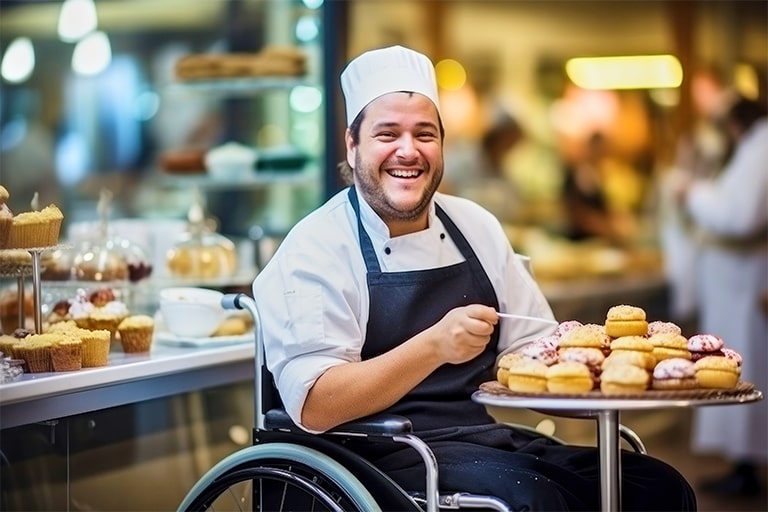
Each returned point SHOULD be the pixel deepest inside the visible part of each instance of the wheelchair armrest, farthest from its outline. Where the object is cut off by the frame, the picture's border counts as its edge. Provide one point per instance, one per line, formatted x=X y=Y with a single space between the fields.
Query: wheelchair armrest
x=375 y=425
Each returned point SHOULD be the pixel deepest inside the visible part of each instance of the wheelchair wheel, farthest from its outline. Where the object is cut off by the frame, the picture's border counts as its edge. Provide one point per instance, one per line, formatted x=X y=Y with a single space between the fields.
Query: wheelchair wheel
x=279 y=477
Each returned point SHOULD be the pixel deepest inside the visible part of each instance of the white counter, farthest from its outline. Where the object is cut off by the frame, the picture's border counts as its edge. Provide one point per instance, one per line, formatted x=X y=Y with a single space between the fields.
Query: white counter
x=129 y=378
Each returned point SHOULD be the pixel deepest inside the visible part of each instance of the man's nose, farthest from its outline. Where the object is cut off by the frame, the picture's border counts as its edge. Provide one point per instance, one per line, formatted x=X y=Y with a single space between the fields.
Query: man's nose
x=406 y=147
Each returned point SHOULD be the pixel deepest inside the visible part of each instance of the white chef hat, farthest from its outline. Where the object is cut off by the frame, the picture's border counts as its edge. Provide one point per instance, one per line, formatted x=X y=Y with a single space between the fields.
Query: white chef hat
x=378 y=72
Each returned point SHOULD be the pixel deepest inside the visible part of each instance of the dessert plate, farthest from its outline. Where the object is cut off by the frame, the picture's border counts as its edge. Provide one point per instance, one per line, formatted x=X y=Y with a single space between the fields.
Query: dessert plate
x=170 y=339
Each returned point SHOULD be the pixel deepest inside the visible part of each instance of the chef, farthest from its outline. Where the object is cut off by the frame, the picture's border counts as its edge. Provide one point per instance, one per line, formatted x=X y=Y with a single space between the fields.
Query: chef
x=386 y=297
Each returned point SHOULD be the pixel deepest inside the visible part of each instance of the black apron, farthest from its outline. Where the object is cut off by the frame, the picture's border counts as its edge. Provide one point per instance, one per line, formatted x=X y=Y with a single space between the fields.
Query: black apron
x=402 y=304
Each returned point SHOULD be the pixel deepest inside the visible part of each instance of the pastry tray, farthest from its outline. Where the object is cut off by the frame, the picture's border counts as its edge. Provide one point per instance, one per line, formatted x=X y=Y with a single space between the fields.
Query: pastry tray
x=169 y=339
x=497 y=388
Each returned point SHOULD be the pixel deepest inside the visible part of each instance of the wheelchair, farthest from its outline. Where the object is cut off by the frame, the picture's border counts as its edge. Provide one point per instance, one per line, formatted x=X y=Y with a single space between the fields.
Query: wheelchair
x=288 y=469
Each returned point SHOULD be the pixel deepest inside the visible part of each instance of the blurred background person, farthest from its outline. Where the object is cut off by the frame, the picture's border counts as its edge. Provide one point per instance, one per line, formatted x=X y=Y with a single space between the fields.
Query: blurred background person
x=589 y=211
x=479 y=171
x=730 y=214
x=700 y=153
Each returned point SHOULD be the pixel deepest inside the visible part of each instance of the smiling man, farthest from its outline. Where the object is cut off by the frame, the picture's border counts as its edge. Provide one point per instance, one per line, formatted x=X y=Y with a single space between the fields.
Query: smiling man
x=385 y=298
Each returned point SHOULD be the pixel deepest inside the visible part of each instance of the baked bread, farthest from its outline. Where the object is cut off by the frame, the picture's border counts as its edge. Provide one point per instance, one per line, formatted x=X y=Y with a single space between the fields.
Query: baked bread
x=569 y=377
x=625 y=320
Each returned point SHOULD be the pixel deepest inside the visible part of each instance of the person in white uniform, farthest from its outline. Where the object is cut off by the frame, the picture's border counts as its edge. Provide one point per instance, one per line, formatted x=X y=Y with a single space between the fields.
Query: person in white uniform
x=385 y=299
x=731 y=216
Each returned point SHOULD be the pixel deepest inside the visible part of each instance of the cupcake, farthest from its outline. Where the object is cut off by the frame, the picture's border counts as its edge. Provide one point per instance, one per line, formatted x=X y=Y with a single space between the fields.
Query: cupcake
x=6 y=345
x=67 y=354
x=95 y=347
x=35 y=350
x=136 y=333
x=36 y=228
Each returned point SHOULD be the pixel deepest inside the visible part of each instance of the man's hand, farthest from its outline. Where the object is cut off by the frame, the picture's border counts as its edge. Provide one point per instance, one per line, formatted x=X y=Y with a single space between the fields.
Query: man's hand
x=463 y=333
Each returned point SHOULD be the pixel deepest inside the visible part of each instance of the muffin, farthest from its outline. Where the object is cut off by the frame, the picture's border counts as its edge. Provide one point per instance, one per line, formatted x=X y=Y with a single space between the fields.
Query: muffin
x=623 y=378
x=674 y=373
x=569 y=377
x=35 y=350
x=95 y=347
x=717 y=372
x=36 y=228
x=136 y=333
x=6 y=345
x=625 y=320
x=527 y=376
x=67 y=354
x=9 y=310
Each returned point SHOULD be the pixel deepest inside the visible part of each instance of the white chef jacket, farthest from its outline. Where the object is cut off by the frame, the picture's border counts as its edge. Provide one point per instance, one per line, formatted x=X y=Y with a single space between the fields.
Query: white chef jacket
x=730 y=282
x=313 y=295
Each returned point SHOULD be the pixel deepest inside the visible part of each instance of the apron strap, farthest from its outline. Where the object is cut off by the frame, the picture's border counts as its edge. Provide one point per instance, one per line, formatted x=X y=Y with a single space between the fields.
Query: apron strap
x=366 y=246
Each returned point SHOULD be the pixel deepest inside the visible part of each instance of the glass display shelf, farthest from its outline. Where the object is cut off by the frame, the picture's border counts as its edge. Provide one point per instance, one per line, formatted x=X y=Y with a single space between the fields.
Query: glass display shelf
x=233 y=86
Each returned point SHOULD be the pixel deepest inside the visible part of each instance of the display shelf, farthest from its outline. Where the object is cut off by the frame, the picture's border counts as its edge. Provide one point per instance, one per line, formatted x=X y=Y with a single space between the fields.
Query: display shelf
x=252 y=180
x=247 y=86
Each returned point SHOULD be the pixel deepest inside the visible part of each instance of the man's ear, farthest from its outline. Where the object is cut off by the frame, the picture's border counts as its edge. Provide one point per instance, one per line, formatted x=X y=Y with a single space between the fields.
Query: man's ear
x=351 y=148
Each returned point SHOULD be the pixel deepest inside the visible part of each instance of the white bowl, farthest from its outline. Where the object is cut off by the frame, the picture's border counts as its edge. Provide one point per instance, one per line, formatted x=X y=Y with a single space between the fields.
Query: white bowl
x=190 y=312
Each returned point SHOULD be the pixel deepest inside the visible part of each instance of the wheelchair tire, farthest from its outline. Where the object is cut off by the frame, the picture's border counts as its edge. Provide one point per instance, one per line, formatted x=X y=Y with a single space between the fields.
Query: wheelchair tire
x=279 y=477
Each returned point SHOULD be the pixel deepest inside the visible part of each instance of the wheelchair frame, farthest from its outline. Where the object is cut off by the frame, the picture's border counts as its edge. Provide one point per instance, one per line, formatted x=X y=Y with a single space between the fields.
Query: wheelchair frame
x=320 y=466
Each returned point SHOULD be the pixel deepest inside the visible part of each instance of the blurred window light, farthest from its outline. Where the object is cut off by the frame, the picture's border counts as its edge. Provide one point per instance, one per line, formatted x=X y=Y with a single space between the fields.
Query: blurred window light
x=626 y=72
x=18 y=61
x=312 y=4
x=745 y=81
x=451 y=75
x=77 y=19
x=307 y=29
x=92 y=54
x=305 y=98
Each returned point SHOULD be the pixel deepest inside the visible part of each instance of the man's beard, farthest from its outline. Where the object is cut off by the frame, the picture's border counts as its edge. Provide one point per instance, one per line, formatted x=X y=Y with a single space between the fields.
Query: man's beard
x=372 y=191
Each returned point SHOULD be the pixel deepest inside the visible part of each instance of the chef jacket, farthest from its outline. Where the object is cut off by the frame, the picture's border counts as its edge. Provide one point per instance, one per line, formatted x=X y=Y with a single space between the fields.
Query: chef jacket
x=313 y=295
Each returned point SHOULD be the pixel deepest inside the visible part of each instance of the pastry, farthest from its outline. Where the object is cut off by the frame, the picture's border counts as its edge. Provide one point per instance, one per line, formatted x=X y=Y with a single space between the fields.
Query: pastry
x=35 y=350
x=231 y=326
x=36 y=228
x=502 y=372
x=674 y=373
x=717 y=372
x=527 y=376
x=623 y=378
x=9 y=310
x=6 y=218
x=136 y=333
x=67 y=354
x=667 y=345
x=703 y=345
x=592 y=357
x=659 y=327
x=541 y=349
x=588 y=335
x=732 y=354
x=95 y=347
x=6 y=345
x=637 y=358
x=569 y=377
x=566 y=327
x=637 y=344
x=624 y=320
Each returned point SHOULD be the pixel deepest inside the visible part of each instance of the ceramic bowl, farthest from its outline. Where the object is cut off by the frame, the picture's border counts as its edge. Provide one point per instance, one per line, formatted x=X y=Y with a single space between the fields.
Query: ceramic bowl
x=190 y=312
